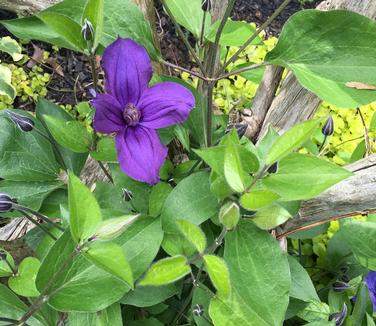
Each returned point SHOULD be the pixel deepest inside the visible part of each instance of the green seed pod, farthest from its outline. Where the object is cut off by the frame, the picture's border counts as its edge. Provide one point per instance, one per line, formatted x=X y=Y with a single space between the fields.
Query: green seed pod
x=229 y=215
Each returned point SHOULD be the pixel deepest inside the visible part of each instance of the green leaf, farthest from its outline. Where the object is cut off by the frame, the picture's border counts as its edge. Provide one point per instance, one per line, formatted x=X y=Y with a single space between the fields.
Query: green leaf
x=85 y=214
x=12 y=307
x=363 y=304
x=193 y=234
x=70 y=134
x=174 y=244
x=302 y=176
x=94 y=13
x=235 y=33
x=23 y=283
x=201 y=296
x=10 y=46
x=219 y=275
x=271 y=216
x=158 y=196
x=190 y=200
x=111 y=228
x=105 y=151
x=190 y=15
x=290 y=140
x=111 y=258
x=5 y=269
x=166 y=271
x=257 y=199
x=347 y=42
x=315 y=311
x=257 y=265
x=233 y=169
x=302 y=287
x=370 y=321
x=110 y=316
x=65 y=27
x=6 y=88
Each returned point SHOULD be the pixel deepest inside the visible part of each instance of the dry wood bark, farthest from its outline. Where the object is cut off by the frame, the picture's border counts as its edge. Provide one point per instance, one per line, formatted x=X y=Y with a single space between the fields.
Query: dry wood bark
x=26 y=7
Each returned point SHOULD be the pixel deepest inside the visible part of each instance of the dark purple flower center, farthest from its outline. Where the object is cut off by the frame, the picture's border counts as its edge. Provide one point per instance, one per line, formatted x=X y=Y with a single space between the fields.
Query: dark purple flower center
x=131 y=114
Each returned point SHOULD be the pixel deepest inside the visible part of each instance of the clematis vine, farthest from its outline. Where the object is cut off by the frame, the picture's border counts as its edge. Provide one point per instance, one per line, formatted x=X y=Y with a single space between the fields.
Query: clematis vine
x=134 y=111
x=371 y=284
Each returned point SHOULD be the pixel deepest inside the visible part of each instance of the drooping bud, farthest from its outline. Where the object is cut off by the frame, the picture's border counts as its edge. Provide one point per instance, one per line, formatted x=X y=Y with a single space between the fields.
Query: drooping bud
x=112 y=228
x=6 y=203
x=127 y=194
x=339 y=317
x=328 y=127
x=273 y=168
x=206 y=5
x=229 y=215
x=198 y=310
x=87 y=30
x=339 y=286
x=241 y=128
x=22 y=122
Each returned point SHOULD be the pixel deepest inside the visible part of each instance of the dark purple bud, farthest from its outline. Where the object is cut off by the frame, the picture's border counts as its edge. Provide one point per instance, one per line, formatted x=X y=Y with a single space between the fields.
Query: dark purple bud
x=241 y=128
x=3 y=255
x=22 y=122
x=92 y=92
x=198 y=310
x=87 y=30
x=127 y=194
x=345 y=278
x=6 y=203
x=339 y=317
x=206 y=5
x=273 y=168
x=328 y=127
x=339 y=286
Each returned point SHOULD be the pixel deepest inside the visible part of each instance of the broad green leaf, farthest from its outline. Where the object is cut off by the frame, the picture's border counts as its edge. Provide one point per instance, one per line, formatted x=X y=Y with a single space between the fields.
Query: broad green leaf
x=190 y=200
x=105 y=150
x=166 y=271
x=174 y=244
x=271 y=216
x=190 y=15
x=5 y=269
x=361 y=237
x=70 y=134
x=315 y=311
x=12 y=307
x=219 y=186
x=326 y=50
x=257 y=199
x=10 y=46
x=233 y=169
x=219 y=275
x=290 y=140
x=6 y=88
x=146 y=322
x=302 y=176
x=235 y=33
x=193 y=233
x=158 y=196
x=65 y=27
x=23 y=283
x=73 y=161
x=257 y=265
x=109 y=316
x=363 y=304
x=94 y=13
x=85 y=214
x=302 y=287
x=111 y=258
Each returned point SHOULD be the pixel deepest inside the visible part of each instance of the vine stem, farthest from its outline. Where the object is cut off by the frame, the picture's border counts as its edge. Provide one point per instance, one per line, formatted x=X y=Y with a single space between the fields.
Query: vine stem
x=108 y=175
x=366 y=135
x=93 y=71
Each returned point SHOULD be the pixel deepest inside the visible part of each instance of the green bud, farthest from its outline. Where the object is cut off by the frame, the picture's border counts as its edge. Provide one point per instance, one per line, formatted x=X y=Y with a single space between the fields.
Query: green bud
x=229 y=215
x=113 y=227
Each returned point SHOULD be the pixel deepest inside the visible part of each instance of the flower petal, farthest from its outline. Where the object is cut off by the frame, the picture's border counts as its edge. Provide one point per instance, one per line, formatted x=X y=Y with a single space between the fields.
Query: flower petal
x=127 y=70
x=140 y=153
x=108 y=116
x=165 y=104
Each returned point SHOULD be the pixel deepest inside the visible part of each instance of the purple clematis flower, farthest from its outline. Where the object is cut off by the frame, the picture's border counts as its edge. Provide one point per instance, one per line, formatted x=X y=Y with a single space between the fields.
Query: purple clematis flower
x=371 y=284
x=133 y=110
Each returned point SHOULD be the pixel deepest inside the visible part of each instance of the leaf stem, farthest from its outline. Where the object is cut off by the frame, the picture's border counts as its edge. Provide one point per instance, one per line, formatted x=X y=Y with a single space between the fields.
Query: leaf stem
x=38 y=225
x=192 y=73
x=105 y=171
x=93 y=71
x=366 y=135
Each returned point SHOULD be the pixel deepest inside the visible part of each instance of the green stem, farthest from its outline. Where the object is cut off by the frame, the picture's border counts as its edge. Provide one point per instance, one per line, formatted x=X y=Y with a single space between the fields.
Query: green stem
x=202 y=29
x=108 y=175
x=209 y=118
x=38 y=225
x=192 y=73
x=93 y=72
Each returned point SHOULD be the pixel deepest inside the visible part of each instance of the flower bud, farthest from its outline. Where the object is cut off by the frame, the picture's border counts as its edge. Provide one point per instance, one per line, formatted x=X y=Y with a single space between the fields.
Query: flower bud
x=112 y=228
x=241 y=128
x=339 y=317
x=229 y=215
x=328 y=127
x=127 y=194
x=273 y=168
x=87 y=30
x=198 y=310
x=339 y=286
x=6 y=203
x=22 y=122
x=206 y=5
x=3 y=255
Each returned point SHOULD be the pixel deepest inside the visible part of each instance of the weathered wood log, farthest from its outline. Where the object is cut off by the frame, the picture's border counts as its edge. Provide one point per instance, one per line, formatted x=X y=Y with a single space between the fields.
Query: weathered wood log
x=353 y=196
x=26 y=7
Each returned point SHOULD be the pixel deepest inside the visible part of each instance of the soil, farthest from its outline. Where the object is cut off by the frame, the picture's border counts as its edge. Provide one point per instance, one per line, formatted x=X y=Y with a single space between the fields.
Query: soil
x=73 y=82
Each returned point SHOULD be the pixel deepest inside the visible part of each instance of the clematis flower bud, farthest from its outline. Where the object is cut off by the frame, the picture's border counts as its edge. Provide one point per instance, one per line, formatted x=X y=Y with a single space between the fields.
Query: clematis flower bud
x=206 y=5
x=6 y=203
x=22 y=122
x=241 y=128
x=328 y=127
x=273 y=168
x=339 y=317
x=87 y=30
x=229 y=215
x=127 y=194
x=339 y=286
x=198 y=310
